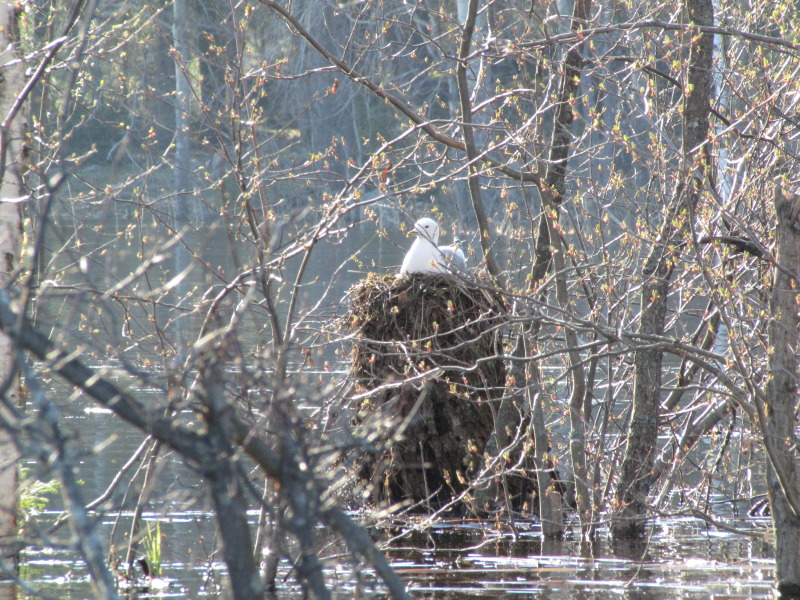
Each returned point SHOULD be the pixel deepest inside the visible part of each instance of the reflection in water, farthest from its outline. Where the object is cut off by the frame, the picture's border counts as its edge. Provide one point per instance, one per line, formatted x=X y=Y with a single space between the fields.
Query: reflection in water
x=633 y=550
x=476 y=561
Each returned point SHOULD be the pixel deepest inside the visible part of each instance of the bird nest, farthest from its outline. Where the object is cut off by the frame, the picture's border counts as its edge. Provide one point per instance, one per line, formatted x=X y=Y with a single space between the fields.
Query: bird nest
x=426 y=366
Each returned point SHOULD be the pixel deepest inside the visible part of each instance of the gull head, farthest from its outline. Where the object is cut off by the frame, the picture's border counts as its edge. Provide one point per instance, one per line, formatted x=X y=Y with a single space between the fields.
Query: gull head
x=426 y=228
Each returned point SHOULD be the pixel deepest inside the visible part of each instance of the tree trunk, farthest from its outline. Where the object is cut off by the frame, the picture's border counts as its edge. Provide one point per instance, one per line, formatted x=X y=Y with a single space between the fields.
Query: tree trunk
x=783 y=479
x=488 y=241
x=183 y=163
x=635 y=478
x=556 y=186
x=11 y=189
x=182 y=158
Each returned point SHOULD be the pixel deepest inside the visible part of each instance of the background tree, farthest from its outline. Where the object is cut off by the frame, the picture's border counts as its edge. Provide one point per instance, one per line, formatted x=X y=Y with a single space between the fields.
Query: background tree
x=781 y=394
x=12 y=194
x=618 y=165
x=637 y=466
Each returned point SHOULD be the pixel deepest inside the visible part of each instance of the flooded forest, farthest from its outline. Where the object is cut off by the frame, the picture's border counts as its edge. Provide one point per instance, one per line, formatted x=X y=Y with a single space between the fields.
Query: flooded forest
x=399 y=299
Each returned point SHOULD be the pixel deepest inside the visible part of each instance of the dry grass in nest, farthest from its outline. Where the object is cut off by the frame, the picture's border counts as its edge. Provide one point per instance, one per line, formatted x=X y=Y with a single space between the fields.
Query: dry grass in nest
x=404 y=327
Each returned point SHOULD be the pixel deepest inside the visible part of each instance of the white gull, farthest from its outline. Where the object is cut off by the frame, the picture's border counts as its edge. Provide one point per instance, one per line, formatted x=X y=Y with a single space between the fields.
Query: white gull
x=425 y=256
x=453 y=256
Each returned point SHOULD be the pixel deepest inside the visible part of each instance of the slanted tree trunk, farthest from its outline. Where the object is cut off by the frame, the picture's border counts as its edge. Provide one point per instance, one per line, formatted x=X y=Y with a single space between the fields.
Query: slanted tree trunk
x=11 y=192
x=783 y=478
x=487 y=240
x=635 y=478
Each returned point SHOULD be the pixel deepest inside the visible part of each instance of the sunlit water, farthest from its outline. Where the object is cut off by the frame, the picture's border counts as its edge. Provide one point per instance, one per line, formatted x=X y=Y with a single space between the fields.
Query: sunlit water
x=452 y=560
x=457 y=560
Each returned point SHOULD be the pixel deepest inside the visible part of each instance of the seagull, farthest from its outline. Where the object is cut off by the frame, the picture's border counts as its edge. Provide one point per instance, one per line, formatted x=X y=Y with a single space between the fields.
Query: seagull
x=453 y=256
x=425 y=256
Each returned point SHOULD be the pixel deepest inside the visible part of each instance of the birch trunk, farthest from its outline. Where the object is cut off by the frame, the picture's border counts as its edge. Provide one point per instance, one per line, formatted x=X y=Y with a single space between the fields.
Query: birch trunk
x=11 y=143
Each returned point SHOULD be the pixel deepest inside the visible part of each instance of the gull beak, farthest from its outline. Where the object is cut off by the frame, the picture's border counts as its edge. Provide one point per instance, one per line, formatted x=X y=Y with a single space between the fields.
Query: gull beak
x=412 y=232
